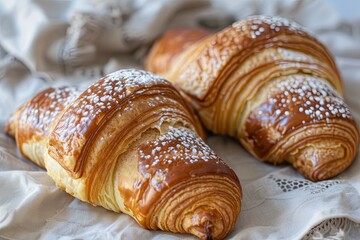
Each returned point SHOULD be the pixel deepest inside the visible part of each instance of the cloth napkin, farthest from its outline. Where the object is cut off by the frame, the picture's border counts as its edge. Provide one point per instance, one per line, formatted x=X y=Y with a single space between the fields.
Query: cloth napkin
x=45 y=43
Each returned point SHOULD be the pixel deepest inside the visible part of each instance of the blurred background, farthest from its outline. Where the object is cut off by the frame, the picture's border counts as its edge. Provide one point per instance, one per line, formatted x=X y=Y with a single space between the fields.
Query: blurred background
x=75 y=39
x=45 y=42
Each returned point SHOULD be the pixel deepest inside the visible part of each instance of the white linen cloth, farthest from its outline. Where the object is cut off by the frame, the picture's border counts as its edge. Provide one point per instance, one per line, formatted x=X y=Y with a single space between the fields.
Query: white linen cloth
x=45 y=43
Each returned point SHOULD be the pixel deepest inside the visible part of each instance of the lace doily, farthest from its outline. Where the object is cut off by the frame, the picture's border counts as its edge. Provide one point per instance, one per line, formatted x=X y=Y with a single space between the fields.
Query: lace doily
x=334 y=229
x=287 y=185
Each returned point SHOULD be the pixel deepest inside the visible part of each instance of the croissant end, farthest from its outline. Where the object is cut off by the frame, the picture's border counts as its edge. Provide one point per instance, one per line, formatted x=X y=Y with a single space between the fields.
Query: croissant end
x=204 y=206
x=204 y=225
x=323 y=160
x=10 y=127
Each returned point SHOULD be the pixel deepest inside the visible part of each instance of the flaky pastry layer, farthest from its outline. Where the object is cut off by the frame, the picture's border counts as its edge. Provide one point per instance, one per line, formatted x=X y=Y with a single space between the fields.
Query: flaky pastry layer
x=271 y=85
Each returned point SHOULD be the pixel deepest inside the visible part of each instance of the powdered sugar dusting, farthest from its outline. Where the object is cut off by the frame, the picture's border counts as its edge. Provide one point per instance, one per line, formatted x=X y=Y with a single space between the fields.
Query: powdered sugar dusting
x=178 y=147
x=178 y=144
x=119 y=85
x=43 y=112
x=133 y=78
x=311 y=96
x=256 y=26
x=296 y=104
x=106 y=94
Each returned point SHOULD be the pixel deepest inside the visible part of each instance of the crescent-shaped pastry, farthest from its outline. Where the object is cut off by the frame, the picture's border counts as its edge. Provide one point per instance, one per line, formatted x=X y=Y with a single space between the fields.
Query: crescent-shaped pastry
x=268 y=83
x=130 y=143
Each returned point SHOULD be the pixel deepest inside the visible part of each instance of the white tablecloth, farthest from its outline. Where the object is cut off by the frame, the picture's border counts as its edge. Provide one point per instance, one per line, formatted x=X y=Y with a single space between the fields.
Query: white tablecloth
x=45 y=43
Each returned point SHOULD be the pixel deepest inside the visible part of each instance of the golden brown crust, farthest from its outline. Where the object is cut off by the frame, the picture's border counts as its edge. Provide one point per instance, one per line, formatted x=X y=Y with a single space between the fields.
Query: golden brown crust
x=182 y=155
x=250 y=68
x=32 y=122
x=174 y=42
x=199 y=71
x=74 y=132
x=306 y=115
x=179 y=163
x=131 y=144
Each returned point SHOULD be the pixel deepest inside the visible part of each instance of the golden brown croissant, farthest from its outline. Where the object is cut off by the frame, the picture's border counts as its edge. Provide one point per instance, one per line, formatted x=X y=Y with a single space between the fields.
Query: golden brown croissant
x=268 y=83
x=129 y=144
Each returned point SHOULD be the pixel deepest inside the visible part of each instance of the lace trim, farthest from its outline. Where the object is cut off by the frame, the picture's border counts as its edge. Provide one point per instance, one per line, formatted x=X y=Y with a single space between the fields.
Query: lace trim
x=287 y=185
x=333 y=228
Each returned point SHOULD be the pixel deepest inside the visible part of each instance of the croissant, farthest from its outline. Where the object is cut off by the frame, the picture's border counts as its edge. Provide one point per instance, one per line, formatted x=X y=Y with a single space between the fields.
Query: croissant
x=131 y=144
x=268 y=83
